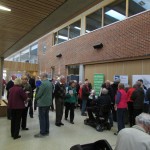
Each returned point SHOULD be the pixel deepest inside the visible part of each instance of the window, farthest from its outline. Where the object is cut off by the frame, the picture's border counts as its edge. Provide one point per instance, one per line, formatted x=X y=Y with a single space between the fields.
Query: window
x=74 y=29
x=16 y=57
x=115 y=12
x=55 y=38
x=44 y=48
x=25 y=55
x=73 y=70
x=62 y=35
x=94 y=21
x=137 y=6
x=33 y=54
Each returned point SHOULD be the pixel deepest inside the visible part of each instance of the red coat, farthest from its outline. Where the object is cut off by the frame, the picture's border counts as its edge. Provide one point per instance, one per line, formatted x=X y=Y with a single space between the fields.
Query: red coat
x=129 y=93
x=16 y=98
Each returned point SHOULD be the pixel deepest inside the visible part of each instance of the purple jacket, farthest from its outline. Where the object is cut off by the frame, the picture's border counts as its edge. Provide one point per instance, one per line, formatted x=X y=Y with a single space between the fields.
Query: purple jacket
x=16 y=98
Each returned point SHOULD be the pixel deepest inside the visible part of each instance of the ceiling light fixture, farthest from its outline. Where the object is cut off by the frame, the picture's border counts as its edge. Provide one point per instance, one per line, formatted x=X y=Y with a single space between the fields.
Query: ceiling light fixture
x=4 y=8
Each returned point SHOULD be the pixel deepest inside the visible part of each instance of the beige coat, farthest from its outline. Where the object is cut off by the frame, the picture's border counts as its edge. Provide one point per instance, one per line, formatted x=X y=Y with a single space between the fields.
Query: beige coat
x=134 y=138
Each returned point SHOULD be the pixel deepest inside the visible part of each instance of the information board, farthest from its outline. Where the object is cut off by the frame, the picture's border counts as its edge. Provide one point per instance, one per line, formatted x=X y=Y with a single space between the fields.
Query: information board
x=98 y=81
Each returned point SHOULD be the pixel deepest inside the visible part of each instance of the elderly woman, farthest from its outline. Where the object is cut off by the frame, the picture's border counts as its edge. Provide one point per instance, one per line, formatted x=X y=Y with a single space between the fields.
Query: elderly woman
x=136 y=137
x=121 y=106
x=16 y=102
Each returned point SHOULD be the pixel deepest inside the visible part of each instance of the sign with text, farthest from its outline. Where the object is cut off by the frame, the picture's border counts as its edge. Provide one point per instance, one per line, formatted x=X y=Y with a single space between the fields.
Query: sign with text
x=98 y=81
x=123 y=79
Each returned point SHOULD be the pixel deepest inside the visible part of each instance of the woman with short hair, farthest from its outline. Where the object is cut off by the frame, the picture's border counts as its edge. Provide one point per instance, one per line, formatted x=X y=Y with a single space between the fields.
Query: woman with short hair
x=16 y=102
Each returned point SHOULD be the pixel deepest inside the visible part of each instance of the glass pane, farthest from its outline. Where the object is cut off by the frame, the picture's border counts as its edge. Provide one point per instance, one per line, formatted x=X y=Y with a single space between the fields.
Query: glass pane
x=74 y=29
x=25 y=55
x=94 y=21
x=62 y=35
x=137 y=6
x=33 y=54
x=115 y=12
x=16 y=57
x=73 y=70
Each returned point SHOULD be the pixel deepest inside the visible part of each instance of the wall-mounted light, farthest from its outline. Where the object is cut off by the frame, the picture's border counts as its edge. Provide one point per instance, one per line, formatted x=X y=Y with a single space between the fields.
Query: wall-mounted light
x=59 y=55
x=98 y=46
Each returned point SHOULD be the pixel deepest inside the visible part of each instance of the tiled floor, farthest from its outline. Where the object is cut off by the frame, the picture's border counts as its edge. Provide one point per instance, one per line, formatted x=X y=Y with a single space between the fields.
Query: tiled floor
x=60 y=138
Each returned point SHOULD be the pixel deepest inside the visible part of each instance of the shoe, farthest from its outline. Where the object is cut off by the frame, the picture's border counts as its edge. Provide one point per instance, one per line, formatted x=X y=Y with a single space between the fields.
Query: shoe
x=25 y=128
x=71 y=122
x=83 y=114
x=116 y=133
x=61 y=124
x=58 y=124
x=39 y=135
x=17 y=137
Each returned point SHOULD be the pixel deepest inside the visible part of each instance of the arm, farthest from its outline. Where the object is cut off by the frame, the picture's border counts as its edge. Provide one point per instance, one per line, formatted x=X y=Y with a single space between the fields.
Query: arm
x=40 y=91
x=118 y=97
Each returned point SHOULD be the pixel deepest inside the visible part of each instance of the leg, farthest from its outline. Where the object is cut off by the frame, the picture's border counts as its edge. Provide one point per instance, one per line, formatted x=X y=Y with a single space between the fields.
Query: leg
x=47 y=120
x=110 y=117
x=67 y=107
x=120 y=118
x=12 y=122
x=24 y=118
x=90 y=113
x=42 y=120
x=31 y=108
x=83 y=106
x=61 y=110
x=18 y=114
x=72 y=106
x=130 y=110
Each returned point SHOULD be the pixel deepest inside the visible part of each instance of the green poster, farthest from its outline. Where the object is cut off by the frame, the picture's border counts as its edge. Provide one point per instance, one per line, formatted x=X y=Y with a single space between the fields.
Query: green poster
x=98 y=81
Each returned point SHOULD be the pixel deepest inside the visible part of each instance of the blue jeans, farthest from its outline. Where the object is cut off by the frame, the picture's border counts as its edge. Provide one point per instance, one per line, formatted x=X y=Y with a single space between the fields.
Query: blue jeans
x=120 y=118
x=83 y=106
x=44 y=119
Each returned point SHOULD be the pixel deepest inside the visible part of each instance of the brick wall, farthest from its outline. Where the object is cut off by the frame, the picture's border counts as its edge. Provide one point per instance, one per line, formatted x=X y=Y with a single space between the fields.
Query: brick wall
x=126 y=39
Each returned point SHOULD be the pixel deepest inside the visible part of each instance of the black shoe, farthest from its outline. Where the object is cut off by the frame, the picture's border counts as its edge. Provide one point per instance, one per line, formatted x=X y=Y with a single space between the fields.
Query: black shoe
x=17 y=137
x=61 y=124
x=25 y=128
x=71 y=122
x=58 y=124
x=83 y=114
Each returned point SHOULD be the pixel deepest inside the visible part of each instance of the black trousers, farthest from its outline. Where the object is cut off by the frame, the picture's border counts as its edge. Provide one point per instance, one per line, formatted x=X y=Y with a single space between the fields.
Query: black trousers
x=30 y=105
x=69 y=107
x=136 y=113
x=131 y=115
x=24 y=118
x=59 y=102
x=146 y=108
x=15 y=121
x=90 y=111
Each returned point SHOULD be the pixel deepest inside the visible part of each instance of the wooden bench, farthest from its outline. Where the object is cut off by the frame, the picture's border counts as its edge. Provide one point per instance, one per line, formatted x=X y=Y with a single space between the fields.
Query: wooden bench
x=3 y=108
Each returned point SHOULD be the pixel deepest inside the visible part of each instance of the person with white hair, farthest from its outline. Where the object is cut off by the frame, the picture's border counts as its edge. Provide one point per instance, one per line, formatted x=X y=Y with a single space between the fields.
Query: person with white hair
x=137 y=137
x=16 y=102
x=60 y=93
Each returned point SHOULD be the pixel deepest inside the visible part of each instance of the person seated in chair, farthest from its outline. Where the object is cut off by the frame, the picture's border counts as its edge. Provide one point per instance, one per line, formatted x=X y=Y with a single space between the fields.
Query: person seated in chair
x=104 y=99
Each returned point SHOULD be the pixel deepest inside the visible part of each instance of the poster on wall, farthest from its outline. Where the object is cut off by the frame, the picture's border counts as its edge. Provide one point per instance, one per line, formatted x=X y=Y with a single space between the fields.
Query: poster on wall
x=98 y=81
x=123 y=79
x=145 y=78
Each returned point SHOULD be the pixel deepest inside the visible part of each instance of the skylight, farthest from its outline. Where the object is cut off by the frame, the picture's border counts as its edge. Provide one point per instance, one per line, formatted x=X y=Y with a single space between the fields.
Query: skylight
x=80 y=29
x=115 y=14
x=143 y=3
x=4 y=8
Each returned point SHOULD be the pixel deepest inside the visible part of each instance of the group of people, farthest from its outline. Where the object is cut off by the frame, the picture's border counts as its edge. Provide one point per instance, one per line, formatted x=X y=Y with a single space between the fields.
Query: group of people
x=20 y=97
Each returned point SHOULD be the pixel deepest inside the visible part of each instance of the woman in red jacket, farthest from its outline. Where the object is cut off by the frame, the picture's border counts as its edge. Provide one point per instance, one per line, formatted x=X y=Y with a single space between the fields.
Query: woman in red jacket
x=16 y=102
x=121 y=106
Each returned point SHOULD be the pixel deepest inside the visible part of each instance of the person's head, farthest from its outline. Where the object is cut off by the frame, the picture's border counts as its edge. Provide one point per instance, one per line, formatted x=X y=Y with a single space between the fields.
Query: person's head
x=140 y=80
x=62 y=79
x=138 y=84
x=120 y=86
x=24 y=79
x=80 y=82
x=18 y=81
x=104 y=91
x=72 y=83
x=143 y=120
x=86 y=83
x=44 y=76
x=13 y=77
x=107 y=83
